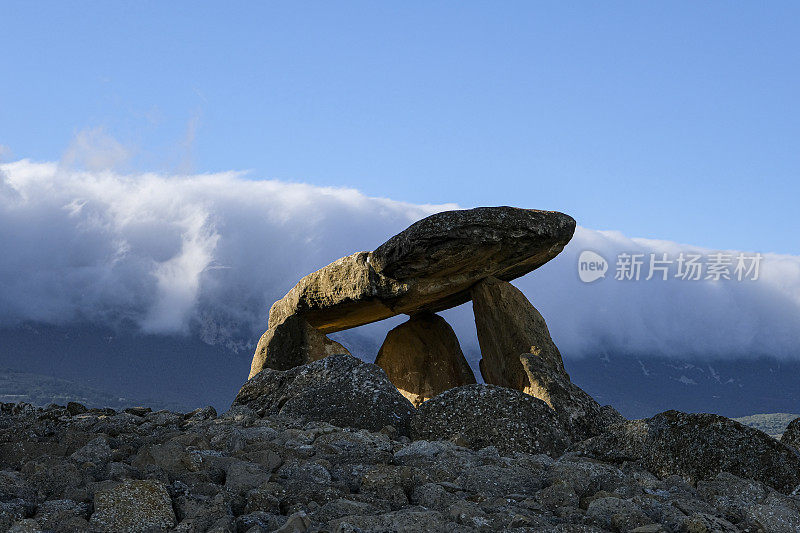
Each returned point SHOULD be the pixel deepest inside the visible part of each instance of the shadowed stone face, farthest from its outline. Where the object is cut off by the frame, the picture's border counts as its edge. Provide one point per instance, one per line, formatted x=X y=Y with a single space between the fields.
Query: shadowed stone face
x=428 y=267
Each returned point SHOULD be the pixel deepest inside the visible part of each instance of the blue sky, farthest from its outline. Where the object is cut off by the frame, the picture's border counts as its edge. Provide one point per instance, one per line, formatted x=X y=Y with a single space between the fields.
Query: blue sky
x=665 y=120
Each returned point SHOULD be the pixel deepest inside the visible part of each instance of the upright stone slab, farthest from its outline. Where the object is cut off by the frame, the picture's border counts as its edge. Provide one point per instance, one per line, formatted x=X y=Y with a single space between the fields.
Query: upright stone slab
x=430 y=266
x=422 y=358
x=509 y=325
x=519 y=353
x=292 y=343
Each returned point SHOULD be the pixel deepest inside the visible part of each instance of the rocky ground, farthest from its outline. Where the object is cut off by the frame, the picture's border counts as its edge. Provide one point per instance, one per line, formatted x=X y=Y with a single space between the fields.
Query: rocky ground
x=73 y=469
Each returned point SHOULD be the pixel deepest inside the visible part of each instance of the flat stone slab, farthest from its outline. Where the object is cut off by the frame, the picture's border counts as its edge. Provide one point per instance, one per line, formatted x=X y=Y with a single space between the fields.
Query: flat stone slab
x=430 y=266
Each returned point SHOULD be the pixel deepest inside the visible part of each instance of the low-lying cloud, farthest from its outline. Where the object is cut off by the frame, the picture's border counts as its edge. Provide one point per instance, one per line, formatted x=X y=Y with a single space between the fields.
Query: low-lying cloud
x=207 y=254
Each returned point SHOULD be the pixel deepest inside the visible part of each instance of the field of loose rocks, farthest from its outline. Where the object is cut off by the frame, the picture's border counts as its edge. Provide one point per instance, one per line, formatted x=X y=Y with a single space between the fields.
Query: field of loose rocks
x=73 y=469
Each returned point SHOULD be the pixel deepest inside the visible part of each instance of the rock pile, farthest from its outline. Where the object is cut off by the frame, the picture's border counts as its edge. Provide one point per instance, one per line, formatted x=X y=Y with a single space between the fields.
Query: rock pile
x=72 y=469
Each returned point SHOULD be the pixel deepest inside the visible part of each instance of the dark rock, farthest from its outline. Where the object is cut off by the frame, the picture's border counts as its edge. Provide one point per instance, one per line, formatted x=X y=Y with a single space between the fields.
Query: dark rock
x=616 y=514
x=422 y=358
x=477 y=416
x=75 y=408
x=698 y=446
x=201 y=413
x=96 y=451
x=404 y=521
x=138 y=411
x=53 y=515
x=500 y=481
x=791 y=435
x=339 y=389
x=132 y=506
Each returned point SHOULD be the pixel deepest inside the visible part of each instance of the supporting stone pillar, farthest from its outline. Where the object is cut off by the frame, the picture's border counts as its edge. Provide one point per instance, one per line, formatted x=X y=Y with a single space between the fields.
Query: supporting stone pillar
x=422 y=358
x=519 y=353
x=509 y=325
x=291 y=343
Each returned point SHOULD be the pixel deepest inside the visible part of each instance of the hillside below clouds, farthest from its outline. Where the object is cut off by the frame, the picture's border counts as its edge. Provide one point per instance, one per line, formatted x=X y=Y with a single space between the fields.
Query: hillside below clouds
x=104 y=367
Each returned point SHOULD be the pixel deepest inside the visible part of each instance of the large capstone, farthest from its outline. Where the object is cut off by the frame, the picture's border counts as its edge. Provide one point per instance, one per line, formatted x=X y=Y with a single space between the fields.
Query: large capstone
x=422 y=358
x=430 y=266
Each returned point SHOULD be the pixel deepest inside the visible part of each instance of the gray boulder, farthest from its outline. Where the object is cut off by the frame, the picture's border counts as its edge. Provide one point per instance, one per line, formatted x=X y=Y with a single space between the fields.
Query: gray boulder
x=791 y=435
x=477 y=416
x=340 y=389
x=698 y=447
x=133 y=506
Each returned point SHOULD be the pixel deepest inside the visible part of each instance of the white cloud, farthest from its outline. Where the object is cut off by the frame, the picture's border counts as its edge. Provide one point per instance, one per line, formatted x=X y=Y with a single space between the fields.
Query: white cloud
x=209 y=254
x=170 y=252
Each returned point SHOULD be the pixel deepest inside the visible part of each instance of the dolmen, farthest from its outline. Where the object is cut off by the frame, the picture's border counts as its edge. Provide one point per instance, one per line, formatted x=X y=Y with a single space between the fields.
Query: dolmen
x=439 y=262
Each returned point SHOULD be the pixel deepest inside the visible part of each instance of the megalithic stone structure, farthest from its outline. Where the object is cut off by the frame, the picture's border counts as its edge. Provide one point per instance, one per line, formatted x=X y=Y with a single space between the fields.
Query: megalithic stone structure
x=437 y=263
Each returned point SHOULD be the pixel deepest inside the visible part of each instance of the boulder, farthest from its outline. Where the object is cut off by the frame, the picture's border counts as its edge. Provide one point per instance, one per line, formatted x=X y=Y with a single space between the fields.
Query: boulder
x=791 y=435
x=428 y=267
x=507 y=241
x=339 y=389
x=422 y=358
x=509 y=325
x=291 y=343
x=698 y=447
x=477 y=416
x=132 y=506
x=578 y=412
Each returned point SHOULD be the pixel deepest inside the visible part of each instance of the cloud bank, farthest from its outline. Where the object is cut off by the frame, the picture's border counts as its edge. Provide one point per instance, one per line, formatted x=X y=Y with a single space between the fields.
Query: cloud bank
x=207 y=254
